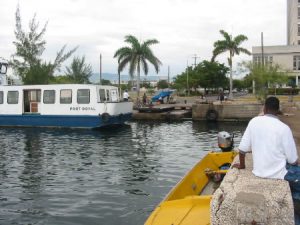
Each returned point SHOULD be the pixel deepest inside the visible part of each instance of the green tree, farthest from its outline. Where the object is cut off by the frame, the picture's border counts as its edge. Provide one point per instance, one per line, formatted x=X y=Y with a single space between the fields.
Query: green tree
x=212 y=74
x=206 y=74
x=138 y=55
x=231 y=44
x=145 y=84
x=162 y=84
x=61 y=80
x=79 y=72
x=265 y=76
x=105 y=82
x=27 y=62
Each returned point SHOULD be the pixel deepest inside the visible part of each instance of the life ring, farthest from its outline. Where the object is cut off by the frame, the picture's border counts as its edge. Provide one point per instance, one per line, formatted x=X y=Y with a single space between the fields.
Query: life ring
x=105 y=117
x=211 y=115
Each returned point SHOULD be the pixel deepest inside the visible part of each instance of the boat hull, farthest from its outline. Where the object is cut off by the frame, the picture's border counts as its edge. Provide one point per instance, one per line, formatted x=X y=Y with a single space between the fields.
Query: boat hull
x=186 y=204
x=68 y=121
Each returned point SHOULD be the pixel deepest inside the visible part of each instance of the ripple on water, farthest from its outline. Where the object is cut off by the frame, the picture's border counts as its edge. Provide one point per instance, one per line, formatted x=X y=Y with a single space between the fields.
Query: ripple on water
x=115 y=176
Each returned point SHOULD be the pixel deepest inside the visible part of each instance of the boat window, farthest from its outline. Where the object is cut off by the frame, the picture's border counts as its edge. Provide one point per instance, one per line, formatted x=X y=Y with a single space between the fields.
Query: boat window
x=1 y=97
x=66 y=96
x=114 y=95
x=102 y=95
x=83 y=96
x=107 y=95
x=49 y=96
x=35 y=95
x=12 y=97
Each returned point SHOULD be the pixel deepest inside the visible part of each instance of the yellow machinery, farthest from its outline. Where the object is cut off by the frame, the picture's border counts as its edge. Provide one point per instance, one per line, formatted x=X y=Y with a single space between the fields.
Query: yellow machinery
x=188 y=203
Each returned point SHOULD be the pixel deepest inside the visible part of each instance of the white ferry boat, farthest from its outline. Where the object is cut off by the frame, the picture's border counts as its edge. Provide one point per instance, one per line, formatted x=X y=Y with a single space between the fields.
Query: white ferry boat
x=61 y=105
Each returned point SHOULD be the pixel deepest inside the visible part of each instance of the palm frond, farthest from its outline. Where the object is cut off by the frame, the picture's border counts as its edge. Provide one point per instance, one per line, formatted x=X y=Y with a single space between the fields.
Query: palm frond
x=133 y=64
x=123 y=63
x=133 y=41
x=150 y=42
x=238 y=40
x=245 y=51
x=145 y=66
x=226 y=35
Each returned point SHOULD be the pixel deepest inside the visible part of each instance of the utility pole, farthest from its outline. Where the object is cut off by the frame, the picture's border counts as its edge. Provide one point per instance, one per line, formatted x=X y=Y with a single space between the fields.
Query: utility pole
x=168 y=76
x=119 y=74
x=100 y=69
x=187 y=77
x=195 y=59
x=262 y=50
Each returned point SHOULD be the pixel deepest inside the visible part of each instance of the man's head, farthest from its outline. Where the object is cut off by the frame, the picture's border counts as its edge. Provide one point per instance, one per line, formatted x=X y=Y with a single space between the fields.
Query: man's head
x=271 y=105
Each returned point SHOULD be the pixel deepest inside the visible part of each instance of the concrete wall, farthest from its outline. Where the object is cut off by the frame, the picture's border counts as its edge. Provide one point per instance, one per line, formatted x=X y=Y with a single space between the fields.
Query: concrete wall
x=244 y=199
x=227 y=111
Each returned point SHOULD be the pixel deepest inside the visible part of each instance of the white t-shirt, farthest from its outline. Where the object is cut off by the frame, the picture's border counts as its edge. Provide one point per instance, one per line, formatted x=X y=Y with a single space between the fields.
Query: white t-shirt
x=125 y=95
x=272 y=145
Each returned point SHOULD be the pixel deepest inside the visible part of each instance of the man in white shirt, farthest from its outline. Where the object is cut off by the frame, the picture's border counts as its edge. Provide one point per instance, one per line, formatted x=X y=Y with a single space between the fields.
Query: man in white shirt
x=125 y=96
x=273 y=149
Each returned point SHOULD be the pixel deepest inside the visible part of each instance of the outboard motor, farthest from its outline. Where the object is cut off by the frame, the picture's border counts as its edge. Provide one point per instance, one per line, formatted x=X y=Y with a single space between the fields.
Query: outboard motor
x=225 y=141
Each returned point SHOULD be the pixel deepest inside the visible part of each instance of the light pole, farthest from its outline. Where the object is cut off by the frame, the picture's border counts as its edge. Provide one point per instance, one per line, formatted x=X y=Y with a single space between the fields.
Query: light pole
x=100 y=69
x=187 y=78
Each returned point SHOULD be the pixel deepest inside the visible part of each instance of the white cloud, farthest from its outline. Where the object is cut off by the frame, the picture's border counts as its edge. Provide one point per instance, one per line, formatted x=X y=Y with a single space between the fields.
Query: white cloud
x=183 y=27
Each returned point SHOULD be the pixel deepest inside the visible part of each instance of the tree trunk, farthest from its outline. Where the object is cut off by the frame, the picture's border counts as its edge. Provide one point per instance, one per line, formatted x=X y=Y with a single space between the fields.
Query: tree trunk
x=230 y=80
x=138 y=81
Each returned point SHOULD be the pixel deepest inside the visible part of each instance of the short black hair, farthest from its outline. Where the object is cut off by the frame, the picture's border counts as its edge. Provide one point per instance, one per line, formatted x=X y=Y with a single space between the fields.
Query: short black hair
x=272 y=104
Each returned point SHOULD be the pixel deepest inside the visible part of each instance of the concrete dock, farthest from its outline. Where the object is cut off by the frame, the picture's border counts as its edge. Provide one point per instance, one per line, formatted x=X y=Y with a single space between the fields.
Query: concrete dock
x=164 y=112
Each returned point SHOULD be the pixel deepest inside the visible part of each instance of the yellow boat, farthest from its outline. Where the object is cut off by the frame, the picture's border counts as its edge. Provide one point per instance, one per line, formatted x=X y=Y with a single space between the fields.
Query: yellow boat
x=188 y=203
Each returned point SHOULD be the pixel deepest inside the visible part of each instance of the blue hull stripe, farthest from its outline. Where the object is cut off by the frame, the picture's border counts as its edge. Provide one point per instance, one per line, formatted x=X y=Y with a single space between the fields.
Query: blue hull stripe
x=77 y=121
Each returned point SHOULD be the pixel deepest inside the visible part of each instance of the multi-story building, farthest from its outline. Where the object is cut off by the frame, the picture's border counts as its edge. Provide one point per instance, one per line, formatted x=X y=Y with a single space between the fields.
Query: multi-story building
x=286 y=56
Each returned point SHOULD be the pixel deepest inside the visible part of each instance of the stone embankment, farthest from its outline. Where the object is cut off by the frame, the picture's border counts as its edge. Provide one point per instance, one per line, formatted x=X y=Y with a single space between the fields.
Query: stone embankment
x=244 y=199
x=228 y=111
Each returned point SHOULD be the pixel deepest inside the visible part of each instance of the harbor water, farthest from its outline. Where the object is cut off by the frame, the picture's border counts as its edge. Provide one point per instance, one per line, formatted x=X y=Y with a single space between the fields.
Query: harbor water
x=110 y=177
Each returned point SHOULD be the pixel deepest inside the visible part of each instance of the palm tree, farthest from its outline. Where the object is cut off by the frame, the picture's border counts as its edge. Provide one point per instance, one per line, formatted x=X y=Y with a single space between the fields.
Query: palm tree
x=137 y=55
x=232 y=45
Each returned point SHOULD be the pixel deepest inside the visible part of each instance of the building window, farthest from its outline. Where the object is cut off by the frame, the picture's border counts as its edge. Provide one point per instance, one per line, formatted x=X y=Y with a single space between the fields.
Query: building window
x=296 y=62
x=12 y=97
x=66 y=96
x=298 y=29
x=49 y=97
x=271 y=60
x=83 y=96
x=1 y=97
x=267 y=60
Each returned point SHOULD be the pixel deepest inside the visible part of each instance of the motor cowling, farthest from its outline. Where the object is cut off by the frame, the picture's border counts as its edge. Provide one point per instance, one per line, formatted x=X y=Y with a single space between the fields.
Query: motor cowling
x=225 y=141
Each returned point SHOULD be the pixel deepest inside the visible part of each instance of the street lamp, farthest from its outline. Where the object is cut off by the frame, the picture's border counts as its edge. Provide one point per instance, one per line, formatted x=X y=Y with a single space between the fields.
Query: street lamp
x=187 y=78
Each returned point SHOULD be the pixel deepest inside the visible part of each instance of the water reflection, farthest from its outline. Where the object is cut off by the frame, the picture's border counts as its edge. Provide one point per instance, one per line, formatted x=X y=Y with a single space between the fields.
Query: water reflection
x=115 y=176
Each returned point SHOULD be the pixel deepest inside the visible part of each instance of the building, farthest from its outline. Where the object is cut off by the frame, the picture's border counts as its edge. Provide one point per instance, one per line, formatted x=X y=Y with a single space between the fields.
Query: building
x=286 y=56
x=293 y=18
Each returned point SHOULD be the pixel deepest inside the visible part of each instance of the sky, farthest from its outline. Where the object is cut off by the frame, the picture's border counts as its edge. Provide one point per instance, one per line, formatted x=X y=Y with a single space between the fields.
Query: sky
x=184 y=28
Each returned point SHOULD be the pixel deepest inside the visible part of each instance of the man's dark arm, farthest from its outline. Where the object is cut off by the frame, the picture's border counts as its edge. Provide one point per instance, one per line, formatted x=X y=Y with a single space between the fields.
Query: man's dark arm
x=241 y=165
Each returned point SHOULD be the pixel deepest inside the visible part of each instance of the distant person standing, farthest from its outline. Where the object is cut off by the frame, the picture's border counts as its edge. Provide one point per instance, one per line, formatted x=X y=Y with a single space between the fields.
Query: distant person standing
x=221 y=97
x=125 y=96
x=144 y=99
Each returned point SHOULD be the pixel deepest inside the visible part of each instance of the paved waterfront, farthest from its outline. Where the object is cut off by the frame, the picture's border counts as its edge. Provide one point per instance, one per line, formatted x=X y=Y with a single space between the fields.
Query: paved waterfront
x=292 y=118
